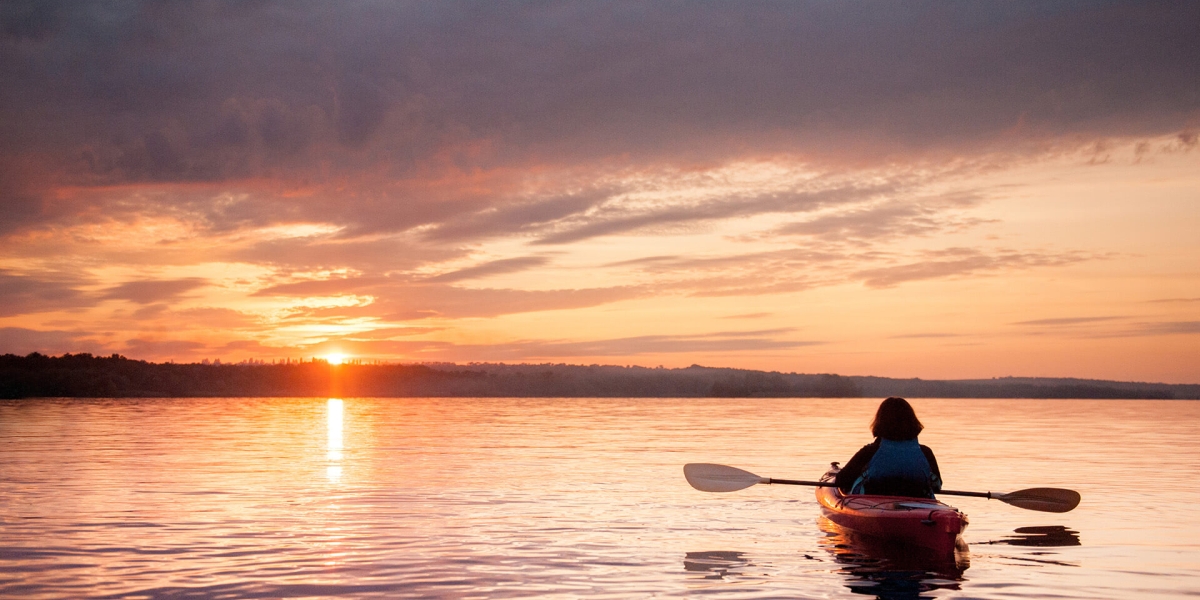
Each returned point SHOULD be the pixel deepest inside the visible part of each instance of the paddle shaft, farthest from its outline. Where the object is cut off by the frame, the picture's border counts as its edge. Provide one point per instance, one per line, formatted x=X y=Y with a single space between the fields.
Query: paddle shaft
x=708 y=477
x=832 y=484
x=798 y=482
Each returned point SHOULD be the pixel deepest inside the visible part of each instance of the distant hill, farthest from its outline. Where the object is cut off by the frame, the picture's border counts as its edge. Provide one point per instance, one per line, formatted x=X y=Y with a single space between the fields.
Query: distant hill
x=84 y=375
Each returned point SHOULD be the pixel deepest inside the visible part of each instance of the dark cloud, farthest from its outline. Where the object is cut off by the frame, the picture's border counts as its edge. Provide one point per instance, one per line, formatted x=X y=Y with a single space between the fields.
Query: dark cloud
x=23 y=202
x=25 y=294
x=32 y=21
x=152 y=291
x=364 y=112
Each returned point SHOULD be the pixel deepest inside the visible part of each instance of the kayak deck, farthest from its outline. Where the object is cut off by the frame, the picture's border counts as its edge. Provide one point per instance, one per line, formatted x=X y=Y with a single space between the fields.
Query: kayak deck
x=922 y=522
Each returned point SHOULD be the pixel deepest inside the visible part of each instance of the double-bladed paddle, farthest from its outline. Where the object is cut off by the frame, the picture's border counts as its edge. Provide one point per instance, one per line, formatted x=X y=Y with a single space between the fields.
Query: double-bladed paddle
x=708 y=477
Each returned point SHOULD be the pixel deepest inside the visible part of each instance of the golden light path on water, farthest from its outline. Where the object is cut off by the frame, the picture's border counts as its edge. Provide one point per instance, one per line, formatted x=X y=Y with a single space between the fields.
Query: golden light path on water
x=335 y=409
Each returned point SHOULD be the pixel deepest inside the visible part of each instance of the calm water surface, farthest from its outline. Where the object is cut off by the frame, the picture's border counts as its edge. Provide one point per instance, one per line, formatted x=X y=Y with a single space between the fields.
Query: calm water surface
x=570 y=498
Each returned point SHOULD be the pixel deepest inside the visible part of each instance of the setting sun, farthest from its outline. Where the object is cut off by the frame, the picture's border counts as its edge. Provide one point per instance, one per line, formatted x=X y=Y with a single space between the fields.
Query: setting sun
x=335 y=359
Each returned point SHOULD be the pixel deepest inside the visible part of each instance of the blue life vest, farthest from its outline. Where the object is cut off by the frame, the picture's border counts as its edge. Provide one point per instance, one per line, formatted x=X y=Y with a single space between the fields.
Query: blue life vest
x=899 y=468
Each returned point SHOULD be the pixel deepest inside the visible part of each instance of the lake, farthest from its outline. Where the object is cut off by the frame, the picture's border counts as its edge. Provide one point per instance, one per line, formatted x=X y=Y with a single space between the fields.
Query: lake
x=573 y=498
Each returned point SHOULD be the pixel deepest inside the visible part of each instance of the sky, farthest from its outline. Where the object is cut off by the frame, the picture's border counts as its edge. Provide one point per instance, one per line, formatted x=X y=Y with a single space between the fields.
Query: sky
x=934 y=190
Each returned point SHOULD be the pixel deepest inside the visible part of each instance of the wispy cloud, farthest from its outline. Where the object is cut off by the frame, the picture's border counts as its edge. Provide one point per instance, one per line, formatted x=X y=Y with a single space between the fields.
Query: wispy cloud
x=957 y=262
x=883 y=222
x=617 y=220
x=646 y=345
x=932 y=335
x=22 y=294
x=1066 y=321
x=151 y=291
x=1163 y=328
x=495 y=267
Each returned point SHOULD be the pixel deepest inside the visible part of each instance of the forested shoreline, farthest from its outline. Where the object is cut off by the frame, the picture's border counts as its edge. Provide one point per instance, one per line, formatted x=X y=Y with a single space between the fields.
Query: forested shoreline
x=87 y=376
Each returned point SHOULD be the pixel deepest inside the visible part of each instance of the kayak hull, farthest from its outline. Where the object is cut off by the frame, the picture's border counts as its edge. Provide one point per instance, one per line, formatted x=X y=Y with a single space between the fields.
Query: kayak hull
x=923 y=522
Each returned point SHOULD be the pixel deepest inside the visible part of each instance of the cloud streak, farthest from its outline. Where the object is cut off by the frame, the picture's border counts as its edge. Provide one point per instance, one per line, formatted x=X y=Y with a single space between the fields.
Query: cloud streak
x=756 y=341
x=487 y=269
x=151 y=291
x=958 y=262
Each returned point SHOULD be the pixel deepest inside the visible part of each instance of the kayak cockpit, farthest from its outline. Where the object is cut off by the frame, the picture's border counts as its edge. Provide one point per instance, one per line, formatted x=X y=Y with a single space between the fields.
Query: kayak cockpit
x=919 y=521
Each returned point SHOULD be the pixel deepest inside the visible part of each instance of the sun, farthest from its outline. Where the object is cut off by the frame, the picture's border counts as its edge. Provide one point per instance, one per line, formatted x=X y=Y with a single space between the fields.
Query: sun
x=335 y=359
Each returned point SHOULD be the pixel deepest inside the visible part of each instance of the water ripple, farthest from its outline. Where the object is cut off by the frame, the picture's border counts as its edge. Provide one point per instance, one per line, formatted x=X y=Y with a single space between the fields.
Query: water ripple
x=568 y=498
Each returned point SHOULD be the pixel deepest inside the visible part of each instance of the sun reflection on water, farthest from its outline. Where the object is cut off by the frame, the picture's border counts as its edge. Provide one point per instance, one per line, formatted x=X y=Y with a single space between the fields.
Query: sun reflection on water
x=335 y=408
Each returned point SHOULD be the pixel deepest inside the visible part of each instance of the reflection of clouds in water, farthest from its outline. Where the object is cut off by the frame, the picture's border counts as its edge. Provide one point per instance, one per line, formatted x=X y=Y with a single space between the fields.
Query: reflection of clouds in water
x=335 y=444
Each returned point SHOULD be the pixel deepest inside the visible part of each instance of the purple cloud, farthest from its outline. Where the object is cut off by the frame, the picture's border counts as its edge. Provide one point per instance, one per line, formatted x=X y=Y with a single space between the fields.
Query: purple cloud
x=24 y=294
x=397 y=100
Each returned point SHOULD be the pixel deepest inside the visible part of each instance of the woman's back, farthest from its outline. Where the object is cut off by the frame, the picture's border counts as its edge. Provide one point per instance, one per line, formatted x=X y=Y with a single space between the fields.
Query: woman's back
x=895 y=464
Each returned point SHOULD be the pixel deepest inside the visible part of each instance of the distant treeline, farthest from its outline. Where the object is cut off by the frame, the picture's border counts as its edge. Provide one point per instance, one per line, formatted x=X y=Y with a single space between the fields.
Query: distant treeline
x=87 y=376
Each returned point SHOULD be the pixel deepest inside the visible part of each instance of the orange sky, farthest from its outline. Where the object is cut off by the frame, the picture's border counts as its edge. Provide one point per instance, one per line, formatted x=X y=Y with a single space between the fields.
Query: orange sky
x=958 y=194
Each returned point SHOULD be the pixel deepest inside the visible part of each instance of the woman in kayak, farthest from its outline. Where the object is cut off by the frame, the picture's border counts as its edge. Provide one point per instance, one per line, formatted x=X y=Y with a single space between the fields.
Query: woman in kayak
x=895 y=464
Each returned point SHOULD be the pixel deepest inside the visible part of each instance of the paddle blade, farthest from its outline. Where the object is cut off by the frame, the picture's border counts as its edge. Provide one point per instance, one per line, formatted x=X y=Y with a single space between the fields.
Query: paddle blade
x=708 y=477
x=1055 y=500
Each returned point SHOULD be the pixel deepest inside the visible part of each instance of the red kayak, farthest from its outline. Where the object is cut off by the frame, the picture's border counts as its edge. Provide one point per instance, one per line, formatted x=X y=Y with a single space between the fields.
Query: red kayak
x=921 y=522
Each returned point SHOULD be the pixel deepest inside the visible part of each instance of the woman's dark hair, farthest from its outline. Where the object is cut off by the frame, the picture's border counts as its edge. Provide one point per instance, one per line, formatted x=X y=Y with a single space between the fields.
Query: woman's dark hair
x=895 y=420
